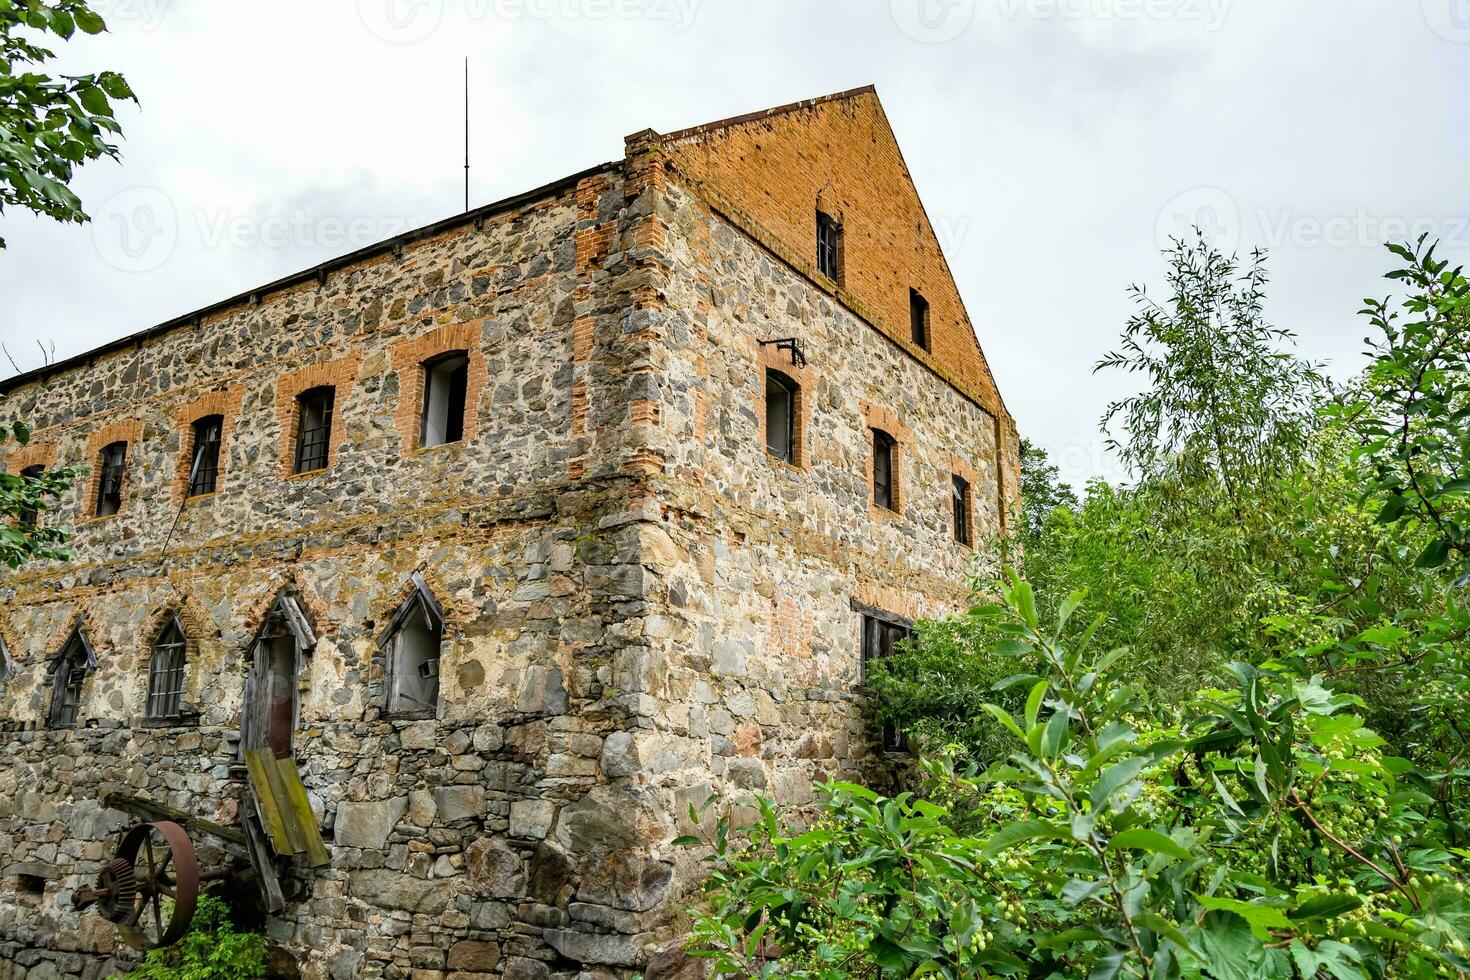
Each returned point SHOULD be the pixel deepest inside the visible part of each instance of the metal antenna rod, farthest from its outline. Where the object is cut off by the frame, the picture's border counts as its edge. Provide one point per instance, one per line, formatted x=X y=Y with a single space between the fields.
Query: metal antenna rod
x=466 y=132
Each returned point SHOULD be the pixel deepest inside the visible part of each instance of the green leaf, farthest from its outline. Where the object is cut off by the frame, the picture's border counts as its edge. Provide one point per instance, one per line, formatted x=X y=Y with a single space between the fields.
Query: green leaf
x=1022 y=830
x=1152 y=841
x=1033 y=701
x=90 y=22
x=1435 y=554
x=1328 y=906
x=1260 y=917
x=1162 y=926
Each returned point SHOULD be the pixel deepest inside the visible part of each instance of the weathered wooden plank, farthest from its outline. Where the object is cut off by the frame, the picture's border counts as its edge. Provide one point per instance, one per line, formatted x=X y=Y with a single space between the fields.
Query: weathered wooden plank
x=298 y=811
x=263 y=864
x=232 y=839
x=261 y=764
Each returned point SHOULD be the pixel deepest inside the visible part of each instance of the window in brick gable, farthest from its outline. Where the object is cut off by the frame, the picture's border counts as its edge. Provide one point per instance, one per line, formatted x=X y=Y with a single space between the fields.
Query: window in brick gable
x=31 y=515
x=166 y=672
x=314 y=428
x=112 y=467
x=781 y=407
x=68 y=674
x=204 y=465
x=411 y=645
x=918 y=319
x=885 y=493
x=960 y=502
x=446 y=379
x=829 y=247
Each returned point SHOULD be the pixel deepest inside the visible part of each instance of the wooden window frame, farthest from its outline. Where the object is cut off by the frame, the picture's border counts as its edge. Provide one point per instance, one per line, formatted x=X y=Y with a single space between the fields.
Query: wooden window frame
x=961 y=498
x=792 y=391
x=327 y=395
x=829 y=246
x=203 y=477
x=32 y=517
x=879 y=633
x=112 y=479
x=167 y=663
x=885 y=448
x=69 y=672
x=419 y=602
x=455 y=427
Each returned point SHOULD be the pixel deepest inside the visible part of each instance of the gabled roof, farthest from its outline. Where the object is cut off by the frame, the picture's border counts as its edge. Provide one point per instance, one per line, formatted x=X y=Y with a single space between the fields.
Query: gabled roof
x=694 y=132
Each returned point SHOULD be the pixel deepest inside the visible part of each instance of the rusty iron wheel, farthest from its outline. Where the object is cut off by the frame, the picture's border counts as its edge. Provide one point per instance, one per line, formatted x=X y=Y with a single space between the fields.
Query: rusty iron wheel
x=164 y=868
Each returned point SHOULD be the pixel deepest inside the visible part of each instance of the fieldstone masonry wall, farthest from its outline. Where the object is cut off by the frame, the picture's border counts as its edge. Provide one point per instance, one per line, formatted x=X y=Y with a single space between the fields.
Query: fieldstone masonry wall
x=642 y=607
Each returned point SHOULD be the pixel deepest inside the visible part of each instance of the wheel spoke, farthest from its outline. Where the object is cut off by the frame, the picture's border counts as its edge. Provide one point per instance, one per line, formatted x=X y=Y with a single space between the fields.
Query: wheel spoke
x=157 y=915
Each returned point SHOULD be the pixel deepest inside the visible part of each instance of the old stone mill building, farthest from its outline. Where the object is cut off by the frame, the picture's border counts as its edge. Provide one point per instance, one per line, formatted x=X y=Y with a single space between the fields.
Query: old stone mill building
x=508 y=538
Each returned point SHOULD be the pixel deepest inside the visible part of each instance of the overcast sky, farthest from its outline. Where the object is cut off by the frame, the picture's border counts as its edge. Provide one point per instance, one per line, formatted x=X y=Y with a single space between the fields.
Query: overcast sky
x=1056 y=143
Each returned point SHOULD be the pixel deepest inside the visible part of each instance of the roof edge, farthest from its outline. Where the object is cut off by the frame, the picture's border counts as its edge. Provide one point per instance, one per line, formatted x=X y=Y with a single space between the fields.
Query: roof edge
x=779 y=110
x=318 y=271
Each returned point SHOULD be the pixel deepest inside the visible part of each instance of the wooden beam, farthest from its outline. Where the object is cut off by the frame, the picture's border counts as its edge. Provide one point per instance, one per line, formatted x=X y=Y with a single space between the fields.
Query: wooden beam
x=147 y=810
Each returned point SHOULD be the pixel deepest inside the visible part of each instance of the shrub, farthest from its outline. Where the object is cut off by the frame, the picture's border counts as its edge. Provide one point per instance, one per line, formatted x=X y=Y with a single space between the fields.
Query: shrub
x=211 y=950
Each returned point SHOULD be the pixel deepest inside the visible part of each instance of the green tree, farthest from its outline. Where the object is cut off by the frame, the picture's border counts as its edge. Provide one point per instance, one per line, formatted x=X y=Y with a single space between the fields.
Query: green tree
x=49 y=125
x=1224 y=406
x=24 y=502
x=1042 y=489
x=1412 y=408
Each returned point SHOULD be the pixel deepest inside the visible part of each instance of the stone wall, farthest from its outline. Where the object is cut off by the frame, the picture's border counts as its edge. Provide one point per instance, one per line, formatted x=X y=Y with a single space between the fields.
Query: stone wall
x=642 y=607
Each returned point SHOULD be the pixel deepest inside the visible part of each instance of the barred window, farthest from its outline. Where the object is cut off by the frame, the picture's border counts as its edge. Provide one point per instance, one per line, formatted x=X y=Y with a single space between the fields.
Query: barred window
x=112 y=467
x=31 y=516
x=918 y=319
x=446 y=379
x=314 y=428
x=781 y=400
x=204 y=467
x=884 y=492
x=960 y=499
x=166 y=672
x=829 y=247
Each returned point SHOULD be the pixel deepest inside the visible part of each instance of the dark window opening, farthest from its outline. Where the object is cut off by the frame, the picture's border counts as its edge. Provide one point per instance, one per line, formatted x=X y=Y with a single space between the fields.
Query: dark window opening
x=881 y=638
x=113 y=466
x=960 y=499
x=919 y=319
x=781 y=394
x=314 y=428
x=204 y=467
x=32 y=885
x=31 y=516
x=166 y=673
x=884 y=492
x=829 y=247
x=68 y=675
x=445 y=381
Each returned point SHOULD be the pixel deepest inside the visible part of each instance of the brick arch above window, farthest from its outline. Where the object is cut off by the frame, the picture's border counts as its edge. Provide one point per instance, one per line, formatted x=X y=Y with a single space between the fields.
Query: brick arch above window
x=128 y=431
x=32 y=454
x=880 y=419
x=287 y=583
x=339 y=375
x=804 y=376
x=225 y=404
x=409 y=355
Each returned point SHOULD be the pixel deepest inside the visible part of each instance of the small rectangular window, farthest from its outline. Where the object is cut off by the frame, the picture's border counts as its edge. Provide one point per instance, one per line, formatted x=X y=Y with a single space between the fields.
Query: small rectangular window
x=829 y=247
x=919 y=319
x=960 y=498
x=204 y=464
x=445 y=381
x=781 y=416
x=314 y=429
x=885 y=494
x=31 y=516
x=113 y=466
x=881 y=638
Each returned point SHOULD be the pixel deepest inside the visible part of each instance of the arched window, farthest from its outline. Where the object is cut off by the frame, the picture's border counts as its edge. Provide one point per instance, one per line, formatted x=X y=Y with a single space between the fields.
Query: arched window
x=446 y=379
x=781 y=409
x=68 y=675
x=204 y=464
x=166 y=672
x=112 y=467
x=272 y=703
x=411 y=645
